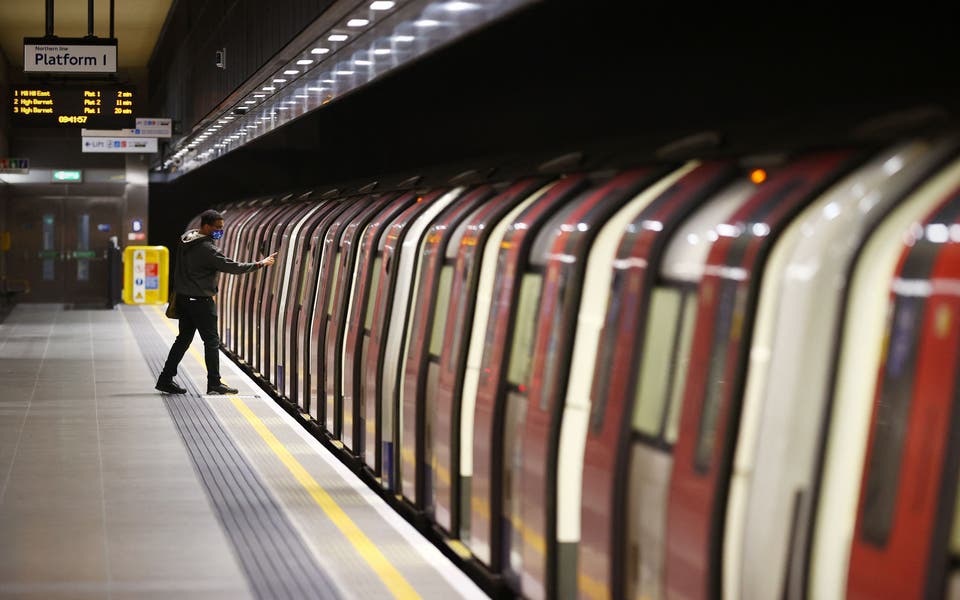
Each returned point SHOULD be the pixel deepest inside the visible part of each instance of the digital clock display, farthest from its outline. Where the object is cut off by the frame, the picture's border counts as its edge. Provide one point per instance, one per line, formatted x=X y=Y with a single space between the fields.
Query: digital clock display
x=93 y=107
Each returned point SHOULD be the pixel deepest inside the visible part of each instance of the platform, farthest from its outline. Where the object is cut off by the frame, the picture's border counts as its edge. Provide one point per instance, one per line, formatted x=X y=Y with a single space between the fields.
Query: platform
x=110 y=489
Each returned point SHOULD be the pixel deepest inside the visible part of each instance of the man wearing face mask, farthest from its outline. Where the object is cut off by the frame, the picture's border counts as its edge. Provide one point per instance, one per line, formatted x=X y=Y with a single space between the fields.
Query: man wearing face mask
x=197 y=270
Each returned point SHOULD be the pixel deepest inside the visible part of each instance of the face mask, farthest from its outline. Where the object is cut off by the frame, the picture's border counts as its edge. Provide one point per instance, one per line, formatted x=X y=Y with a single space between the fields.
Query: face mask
x=217 y=234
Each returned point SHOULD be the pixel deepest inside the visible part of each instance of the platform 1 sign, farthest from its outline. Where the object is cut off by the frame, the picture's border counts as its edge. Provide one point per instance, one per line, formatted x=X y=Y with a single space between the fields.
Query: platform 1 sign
x=145 y=274
x=69 y=55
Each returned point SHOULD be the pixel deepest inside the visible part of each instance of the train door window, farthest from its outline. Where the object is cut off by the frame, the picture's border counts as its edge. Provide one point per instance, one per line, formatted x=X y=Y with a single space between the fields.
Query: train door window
x=308 y=273
x=658 y=354
x=372 y=293
x=83 y=245
x=49 y=246
x=955 y=536
x=893 y=405
x=440 y=310
x=333 y=283
x=525 y=329
x=681 y=364
x=728 y=326
x=460 y=305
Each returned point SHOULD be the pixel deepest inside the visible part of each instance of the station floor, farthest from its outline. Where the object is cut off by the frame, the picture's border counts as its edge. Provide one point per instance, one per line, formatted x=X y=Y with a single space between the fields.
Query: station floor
x=110 y=489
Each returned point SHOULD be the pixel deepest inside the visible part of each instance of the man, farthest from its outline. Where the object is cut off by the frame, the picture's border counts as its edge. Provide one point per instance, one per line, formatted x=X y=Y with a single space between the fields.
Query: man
x=198 y=267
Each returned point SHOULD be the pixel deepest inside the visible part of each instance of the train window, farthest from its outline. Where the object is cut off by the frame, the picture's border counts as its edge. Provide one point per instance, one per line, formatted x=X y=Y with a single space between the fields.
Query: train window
x=731 y=302
x=372 y=293
x=605 y=363
x=525 y=329
x=653 y=388
x=893 y=405
x=557 y=329
x=681 y=364
x=333 y=283
x=440 y=310
x=459 y=325
x=307 y=272
x=955 y=532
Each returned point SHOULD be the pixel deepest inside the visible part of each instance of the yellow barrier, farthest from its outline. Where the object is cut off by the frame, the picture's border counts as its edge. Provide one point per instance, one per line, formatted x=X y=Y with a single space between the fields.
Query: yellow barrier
x=145 y=274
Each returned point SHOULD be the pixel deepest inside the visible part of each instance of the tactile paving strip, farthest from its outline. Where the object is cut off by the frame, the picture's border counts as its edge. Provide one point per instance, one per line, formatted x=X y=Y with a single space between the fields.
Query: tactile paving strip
x=271 y=552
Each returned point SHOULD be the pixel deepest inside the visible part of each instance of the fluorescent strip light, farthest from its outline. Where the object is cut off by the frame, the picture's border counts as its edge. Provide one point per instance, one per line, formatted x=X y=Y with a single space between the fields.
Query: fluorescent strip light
x=382 y=5
x=305 y=61
x=291 y=72
x=338 y=37
x=358 y=23
x=320 y=51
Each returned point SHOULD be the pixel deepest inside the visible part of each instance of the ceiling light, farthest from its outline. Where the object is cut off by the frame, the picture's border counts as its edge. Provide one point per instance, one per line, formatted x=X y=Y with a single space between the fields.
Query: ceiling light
x=316 y=89
x=337 y=37
x=305 y=61
x=358 y=23
x=290 y=72
x=363 y=62
x=382 y=5
x=458 y=6
x=279 y=80
x=301 y=96
x=320 y=51
x=269 y=88
x=249 y=101
x=403 y=38
x=284 y=107
x=382 y=51
x=343 y=73
x=426 y=23
x=259 y=95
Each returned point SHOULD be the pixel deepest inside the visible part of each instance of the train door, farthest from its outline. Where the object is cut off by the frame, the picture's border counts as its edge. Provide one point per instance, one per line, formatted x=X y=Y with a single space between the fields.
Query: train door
x=59 y=245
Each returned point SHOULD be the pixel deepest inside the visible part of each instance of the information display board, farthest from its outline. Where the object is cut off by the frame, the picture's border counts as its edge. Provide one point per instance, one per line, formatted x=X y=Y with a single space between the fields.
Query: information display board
x=90 y=106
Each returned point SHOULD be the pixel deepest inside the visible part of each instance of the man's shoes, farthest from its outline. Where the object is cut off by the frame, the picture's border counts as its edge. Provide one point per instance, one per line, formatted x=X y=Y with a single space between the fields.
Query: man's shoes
x=167 y=386
x=221 y=389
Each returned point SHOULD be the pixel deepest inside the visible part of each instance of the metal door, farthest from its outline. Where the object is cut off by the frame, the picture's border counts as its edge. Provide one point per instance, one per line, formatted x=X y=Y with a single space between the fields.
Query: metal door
x=59 y=245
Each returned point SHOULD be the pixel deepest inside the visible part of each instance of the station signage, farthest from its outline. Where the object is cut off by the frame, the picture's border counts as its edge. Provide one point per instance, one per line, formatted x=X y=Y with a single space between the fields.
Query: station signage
x=72 y=176
x=161 y=128
x=94 y=106
x=69 y=55
x=134 y=145
x=19 y=166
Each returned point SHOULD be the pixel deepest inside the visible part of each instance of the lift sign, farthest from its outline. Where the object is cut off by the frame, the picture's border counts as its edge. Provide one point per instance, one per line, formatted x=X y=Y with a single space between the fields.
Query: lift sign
x=145 y=274
x=58 y=57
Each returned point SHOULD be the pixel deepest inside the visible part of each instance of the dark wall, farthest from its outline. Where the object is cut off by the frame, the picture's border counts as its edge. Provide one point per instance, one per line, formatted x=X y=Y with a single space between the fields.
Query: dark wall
x=185 y=82
x=559 y=77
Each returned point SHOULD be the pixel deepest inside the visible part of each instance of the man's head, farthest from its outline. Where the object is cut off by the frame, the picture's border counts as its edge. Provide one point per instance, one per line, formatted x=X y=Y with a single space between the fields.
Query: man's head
x=211 y=221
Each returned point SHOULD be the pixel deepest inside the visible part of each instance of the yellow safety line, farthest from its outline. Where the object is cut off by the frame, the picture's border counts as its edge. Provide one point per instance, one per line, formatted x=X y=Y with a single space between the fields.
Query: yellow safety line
x=391 y=577
x=367 y=549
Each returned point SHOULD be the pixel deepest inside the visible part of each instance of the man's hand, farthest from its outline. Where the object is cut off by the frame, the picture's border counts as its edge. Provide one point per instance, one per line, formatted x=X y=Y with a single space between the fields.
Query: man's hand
x=269 y=260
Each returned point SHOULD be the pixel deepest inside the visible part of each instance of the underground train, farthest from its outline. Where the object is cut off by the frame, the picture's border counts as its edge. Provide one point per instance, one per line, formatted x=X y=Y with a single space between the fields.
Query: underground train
x=715 y=378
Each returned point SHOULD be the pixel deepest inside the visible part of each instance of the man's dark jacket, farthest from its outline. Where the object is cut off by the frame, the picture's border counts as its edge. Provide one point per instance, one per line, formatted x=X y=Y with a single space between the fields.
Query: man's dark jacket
x=199 y=263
